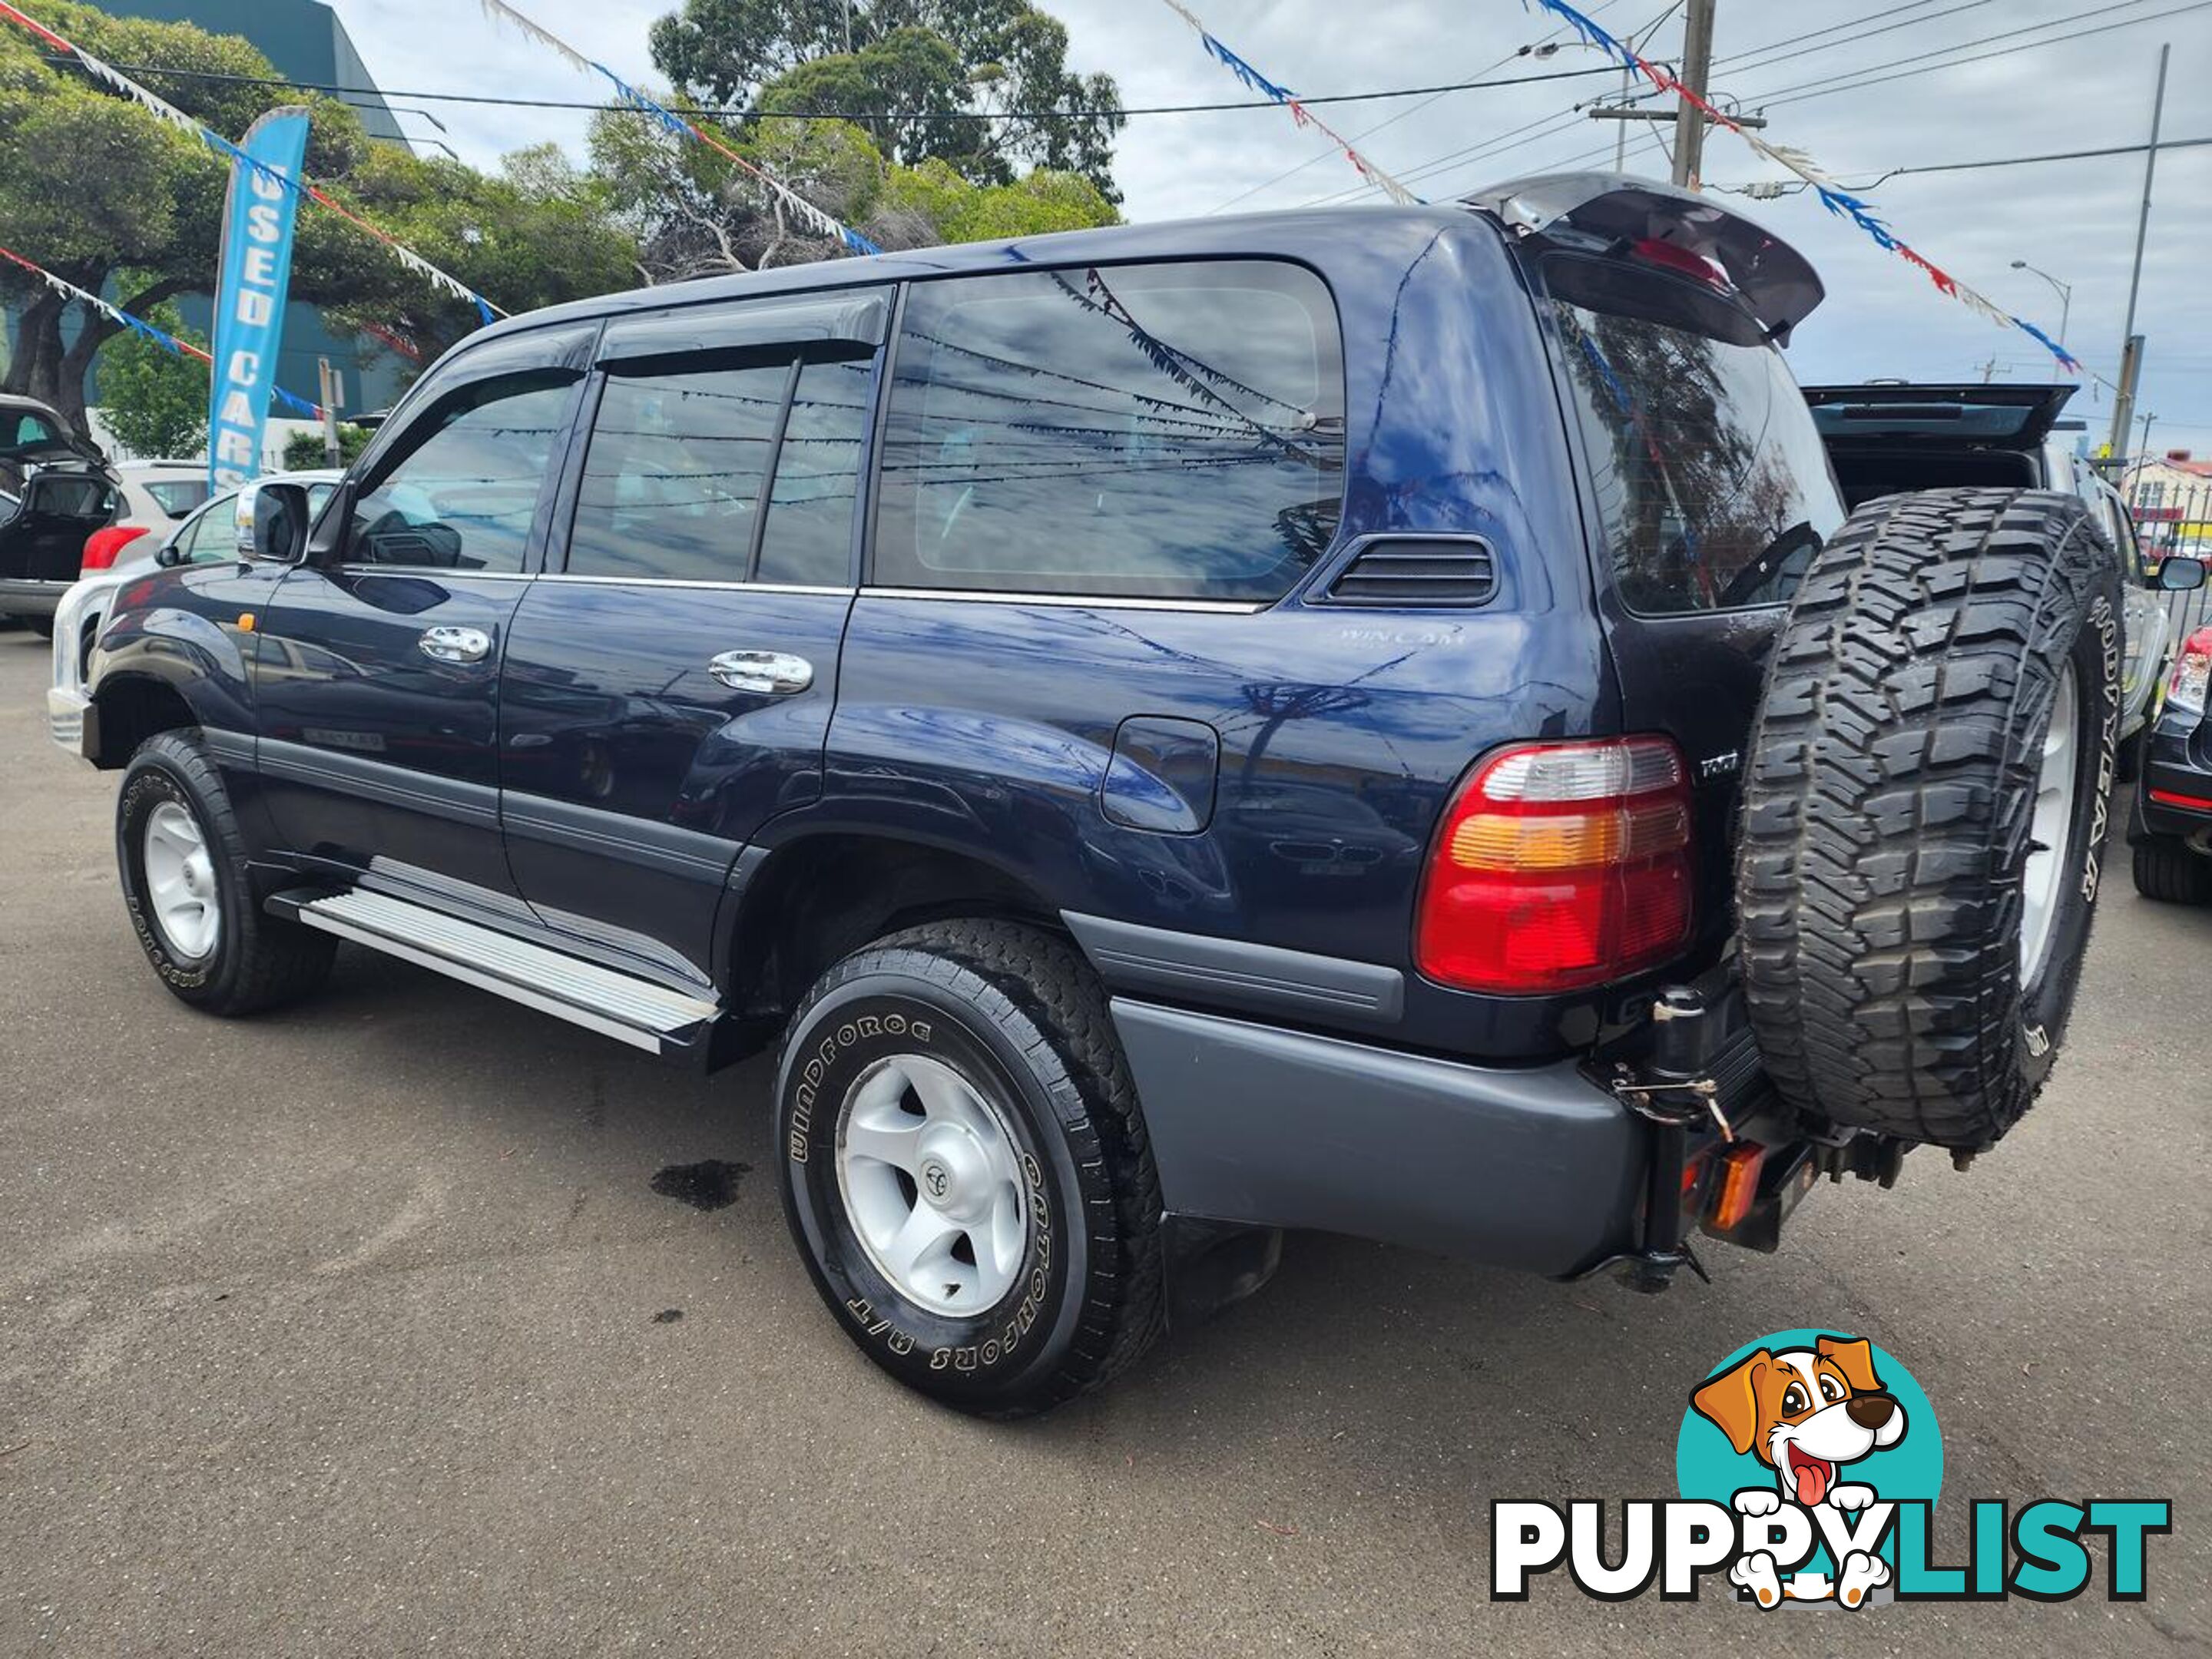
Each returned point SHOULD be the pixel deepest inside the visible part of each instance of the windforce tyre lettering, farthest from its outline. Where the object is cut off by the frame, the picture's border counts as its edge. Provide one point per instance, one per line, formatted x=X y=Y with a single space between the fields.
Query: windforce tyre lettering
x=1018 y=1014
x=1887 y=809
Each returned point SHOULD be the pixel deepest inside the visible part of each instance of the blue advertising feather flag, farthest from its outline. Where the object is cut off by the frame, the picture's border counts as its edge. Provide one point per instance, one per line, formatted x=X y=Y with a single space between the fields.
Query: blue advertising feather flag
x=253 y=273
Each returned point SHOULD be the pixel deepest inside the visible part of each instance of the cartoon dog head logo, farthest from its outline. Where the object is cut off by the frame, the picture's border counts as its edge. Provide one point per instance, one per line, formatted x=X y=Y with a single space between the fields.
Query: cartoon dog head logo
x=1806 y=1412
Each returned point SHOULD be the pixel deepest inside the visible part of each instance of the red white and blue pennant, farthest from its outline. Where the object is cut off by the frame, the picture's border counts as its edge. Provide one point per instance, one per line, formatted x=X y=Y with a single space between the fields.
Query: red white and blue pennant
x=146 y=331
x=822 y=224
x=1305 y=117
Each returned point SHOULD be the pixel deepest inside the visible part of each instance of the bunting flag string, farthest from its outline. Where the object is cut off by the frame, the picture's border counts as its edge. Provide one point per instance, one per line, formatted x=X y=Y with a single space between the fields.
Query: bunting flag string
x=1833 y=197
x=820 y=223
x=117 y=81
x=146 y=331
x=1299 y=113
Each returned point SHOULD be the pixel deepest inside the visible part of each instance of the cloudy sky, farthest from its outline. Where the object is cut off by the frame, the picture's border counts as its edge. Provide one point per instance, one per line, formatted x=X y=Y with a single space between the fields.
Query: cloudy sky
x=1862 y=87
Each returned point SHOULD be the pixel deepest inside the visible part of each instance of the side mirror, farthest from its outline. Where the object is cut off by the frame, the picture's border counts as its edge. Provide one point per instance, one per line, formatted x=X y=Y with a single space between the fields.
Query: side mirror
x=2179 y=574
x=167 y=555
x=275 y=516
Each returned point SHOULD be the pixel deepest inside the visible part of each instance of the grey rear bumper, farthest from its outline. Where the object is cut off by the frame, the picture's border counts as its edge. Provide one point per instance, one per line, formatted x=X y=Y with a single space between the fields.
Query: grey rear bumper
x=1536 y=1169
x=26 y=598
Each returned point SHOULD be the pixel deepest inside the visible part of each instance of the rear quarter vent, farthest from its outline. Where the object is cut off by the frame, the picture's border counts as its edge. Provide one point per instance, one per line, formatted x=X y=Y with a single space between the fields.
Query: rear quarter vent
x=1414 y=572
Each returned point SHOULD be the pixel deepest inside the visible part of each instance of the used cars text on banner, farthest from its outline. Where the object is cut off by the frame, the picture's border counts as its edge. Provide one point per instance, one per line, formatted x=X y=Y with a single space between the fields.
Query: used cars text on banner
x=254 y=271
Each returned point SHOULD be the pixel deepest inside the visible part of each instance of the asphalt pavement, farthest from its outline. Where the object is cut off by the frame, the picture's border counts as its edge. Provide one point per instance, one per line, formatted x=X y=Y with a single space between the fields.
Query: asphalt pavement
x=408 y=1320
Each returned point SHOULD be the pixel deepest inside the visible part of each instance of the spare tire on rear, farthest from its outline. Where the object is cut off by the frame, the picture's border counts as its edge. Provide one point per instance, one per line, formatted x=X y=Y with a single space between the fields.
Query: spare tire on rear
x=1924 y=809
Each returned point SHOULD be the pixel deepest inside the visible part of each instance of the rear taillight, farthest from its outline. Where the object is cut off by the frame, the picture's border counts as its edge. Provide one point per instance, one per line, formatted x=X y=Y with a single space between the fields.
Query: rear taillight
x=1559 y=865
x=102 y=547
x=2186 y=687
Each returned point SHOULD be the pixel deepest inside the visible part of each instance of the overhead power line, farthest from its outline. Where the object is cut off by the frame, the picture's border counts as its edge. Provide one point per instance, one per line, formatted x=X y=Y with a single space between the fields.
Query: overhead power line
x=1855 y=80
x=1806 y=91
x=1792 y=188
x=713 y=112
x=1315 y=161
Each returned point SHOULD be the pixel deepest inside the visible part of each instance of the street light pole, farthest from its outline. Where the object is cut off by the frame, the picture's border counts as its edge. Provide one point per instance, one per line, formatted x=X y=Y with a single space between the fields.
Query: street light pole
x=2065 y=291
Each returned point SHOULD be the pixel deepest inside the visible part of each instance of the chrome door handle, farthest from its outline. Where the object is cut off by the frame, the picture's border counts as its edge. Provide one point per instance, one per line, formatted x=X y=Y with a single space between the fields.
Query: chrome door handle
x=455 y=644
x=774 y=673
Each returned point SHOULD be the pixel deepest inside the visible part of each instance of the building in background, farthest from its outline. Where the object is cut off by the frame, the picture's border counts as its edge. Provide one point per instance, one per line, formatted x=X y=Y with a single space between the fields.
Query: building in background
x=304 y=39
x=2170 y=496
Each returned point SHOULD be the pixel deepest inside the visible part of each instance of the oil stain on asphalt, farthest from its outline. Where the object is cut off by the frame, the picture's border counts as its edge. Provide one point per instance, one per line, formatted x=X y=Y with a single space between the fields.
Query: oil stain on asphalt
x=712 y=1185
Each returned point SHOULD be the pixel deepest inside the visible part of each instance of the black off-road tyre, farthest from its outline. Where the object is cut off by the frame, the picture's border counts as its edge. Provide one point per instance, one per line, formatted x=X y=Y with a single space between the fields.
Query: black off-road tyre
x=2167 y=869
x=1018 y=1014
x=257 y=961
x=1886 y=808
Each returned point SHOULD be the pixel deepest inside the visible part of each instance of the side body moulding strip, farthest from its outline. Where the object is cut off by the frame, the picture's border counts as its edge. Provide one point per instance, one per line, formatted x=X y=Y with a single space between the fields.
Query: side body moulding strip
x=1262 y=978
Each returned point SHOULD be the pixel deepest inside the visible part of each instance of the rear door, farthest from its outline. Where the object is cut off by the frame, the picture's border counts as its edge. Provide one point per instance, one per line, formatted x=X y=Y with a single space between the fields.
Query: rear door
x=1709 y=493
x=668 y=683
x=376 y=674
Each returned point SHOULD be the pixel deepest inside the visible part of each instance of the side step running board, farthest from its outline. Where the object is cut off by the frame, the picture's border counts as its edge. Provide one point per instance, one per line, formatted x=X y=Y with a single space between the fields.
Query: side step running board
x=630 y=1010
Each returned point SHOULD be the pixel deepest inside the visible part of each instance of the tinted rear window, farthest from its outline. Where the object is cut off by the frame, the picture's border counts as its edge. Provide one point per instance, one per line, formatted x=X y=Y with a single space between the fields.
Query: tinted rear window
x=177 y=496
x=1165 y=431
x=1713 y=489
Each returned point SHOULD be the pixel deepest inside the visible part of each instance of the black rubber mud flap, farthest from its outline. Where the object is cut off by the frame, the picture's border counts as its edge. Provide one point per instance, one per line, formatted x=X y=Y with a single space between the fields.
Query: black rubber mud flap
x=1889 y=811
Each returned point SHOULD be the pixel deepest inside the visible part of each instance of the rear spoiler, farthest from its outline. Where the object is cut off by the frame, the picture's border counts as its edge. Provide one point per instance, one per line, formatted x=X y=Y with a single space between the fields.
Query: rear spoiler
x=1772 y=279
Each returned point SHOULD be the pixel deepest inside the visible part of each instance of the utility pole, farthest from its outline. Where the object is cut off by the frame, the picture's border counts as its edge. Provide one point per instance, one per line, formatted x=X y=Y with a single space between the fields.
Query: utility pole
x=1697 y=70
x=332 y=387
x=2124 y=401
x=2143 y=448
x=1620 y=135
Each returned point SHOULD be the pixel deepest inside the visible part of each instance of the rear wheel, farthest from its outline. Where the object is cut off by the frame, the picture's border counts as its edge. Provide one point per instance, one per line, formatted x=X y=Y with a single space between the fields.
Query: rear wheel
x=965 y=1169
x=1924 y=810
x=191 y=897
x=2169 y=869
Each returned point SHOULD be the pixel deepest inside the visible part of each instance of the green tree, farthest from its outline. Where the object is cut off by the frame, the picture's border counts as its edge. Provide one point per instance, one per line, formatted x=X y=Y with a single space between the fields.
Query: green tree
x=153 y=401
x=927 y=59
x=694 y=213
x=94 y=186
x=304 y=451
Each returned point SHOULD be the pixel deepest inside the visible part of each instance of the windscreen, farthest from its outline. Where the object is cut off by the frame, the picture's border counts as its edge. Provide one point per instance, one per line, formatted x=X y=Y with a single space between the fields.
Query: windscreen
x=1713 y=489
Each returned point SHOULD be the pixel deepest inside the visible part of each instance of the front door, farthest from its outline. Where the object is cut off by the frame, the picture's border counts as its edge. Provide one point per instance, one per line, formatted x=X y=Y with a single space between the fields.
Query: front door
x=376 y=672
x=668 y=683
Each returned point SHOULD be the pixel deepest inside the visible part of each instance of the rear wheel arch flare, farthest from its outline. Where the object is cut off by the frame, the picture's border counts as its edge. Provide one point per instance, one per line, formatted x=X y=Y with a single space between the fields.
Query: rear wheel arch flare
x=817 y=898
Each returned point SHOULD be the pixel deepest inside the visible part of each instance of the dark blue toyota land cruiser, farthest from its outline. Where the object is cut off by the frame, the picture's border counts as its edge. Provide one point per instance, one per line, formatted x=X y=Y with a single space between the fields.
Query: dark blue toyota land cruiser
x=1373 y=721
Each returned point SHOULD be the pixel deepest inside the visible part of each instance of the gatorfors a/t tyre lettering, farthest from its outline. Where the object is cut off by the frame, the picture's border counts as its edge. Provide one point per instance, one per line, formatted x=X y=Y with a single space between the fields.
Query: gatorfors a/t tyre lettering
x=1924 y=808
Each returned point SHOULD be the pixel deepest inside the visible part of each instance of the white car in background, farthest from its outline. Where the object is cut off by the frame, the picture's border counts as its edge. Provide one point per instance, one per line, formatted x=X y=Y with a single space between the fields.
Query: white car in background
x=218 y=529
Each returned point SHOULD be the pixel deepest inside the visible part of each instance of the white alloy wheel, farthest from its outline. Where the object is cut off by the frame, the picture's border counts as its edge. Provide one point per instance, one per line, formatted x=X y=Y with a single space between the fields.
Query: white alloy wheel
x=180 y=882
x=2043 y=878
x=933 y=1184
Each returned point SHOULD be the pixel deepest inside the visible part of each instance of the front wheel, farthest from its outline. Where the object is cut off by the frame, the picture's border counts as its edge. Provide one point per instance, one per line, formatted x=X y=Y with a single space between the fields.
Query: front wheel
x=965 y=1169
x=191 y=902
